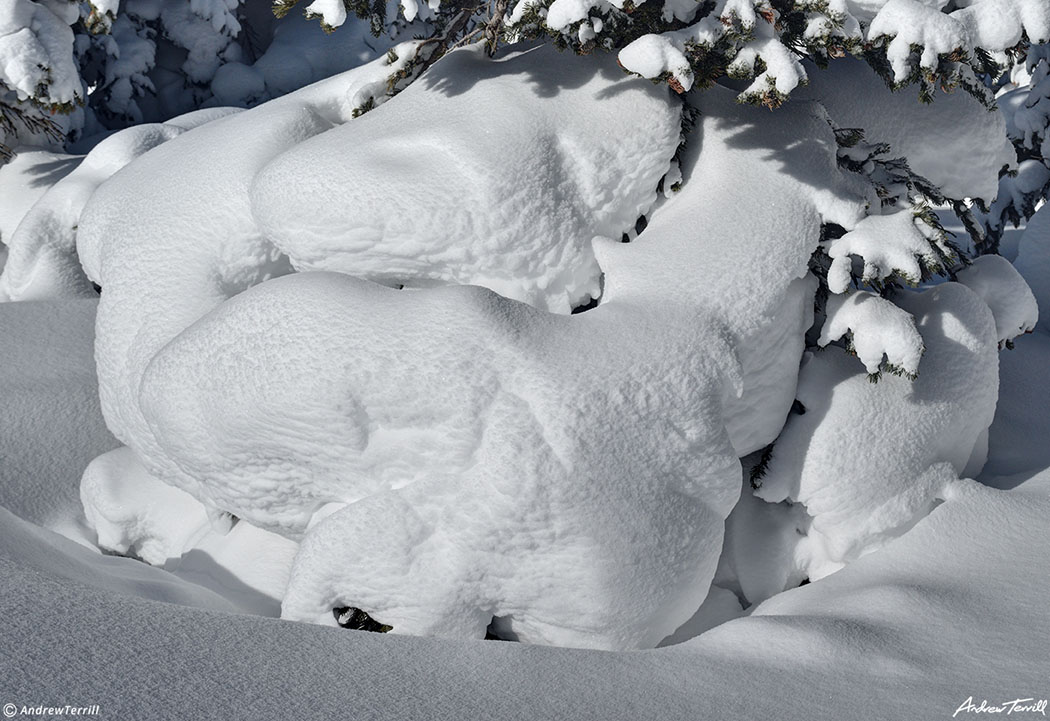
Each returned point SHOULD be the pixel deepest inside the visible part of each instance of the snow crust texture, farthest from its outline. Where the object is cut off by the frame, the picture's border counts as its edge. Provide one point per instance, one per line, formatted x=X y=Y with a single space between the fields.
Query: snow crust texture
x=455 y=432
x=389 y=203
x=43 y=261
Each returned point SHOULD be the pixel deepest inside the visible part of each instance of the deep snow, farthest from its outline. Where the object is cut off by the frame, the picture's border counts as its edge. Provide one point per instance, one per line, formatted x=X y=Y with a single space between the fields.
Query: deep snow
x=953 y=609
x=480 y=476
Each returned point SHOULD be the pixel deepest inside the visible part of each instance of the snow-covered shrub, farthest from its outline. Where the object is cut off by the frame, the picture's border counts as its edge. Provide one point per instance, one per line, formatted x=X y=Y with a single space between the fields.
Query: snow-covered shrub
x=421 y=408
x=448 y=456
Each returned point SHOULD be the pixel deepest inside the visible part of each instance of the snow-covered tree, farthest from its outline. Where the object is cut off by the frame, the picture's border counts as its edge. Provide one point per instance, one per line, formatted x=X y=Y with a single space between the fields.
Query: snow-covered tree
x=70 y=70
x=544 y=320
x=1026 y=106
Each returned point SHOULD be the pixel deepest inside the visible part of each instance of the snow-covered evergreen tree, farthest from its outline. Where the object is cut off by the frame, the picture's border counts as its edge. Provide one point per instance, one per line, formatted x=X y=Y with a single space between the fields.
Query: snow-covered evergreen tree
x=685 y=249
x=70 y=70
x=1025 y=101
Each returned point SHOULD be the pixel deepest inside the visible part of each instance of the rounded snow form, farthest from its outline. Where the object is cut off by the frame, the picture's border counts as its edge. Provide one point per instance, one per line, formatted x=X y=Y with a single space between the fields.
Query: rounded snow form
x=448 y=455
x=865 y=461
x=44 y=258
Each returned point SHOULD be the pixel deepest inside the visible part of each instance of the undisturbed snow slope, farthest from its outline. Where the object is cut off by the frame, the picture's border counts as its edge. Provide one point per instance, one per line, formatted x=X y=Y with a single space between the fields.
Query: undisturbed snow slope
x=954 y=609
x=50 y=422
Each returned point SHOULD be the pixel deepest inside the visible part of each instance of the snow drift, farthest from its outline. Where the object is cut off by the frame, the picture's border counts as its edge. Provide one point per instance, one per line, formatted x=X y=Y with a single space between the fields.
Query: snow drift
x=449 y=457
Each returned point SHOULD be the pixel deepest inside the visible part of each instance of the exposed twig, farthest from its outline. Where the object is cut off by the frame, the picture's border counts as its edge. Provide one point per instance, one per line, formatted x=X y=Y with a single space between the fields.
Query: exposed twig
x=494 y=25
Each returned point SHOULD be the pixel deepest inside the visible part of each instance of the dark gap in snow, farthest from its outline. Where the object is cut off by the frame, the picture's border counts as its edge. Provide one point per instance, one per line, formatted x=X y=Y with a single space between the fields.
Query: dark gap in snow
x=639 y=225
x=797 y=408
x=499 y=630
x=97 y=287
x=130 y=553
x=805 y=582
x=591 y=304
x=358 y=620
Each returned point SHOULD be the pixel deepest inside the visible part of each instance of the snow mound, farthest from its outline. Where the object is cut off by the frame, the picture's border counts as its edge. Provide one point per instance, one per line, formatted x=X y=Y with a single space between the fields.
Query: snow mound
x=999 y=284
x=421 y=442
x=471 y=488
x=964 y=163
x=1033 y=256
x=171 y=236
x=867 y=460
x=387 y=196
x=437 y=450
x=133 y=513
x=43 y=260
x=24 y=179
x=757 y=284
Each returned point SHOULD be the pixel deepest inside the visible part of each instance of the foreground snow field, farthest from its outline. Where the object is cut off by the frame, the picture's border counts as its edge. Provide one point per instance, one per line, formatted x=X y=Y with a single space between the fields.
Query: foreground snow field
x=698 y=402
x=954 y=608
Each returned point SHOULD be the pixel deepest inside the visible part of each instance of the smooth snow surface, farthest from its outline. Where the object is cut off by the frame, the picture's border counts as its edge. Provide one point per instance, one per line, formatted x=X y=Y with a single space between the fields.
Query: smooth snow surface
x=50 y=426
x=25 y=178
x=44 y=554
x=1033 y=256
x=954 y=609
